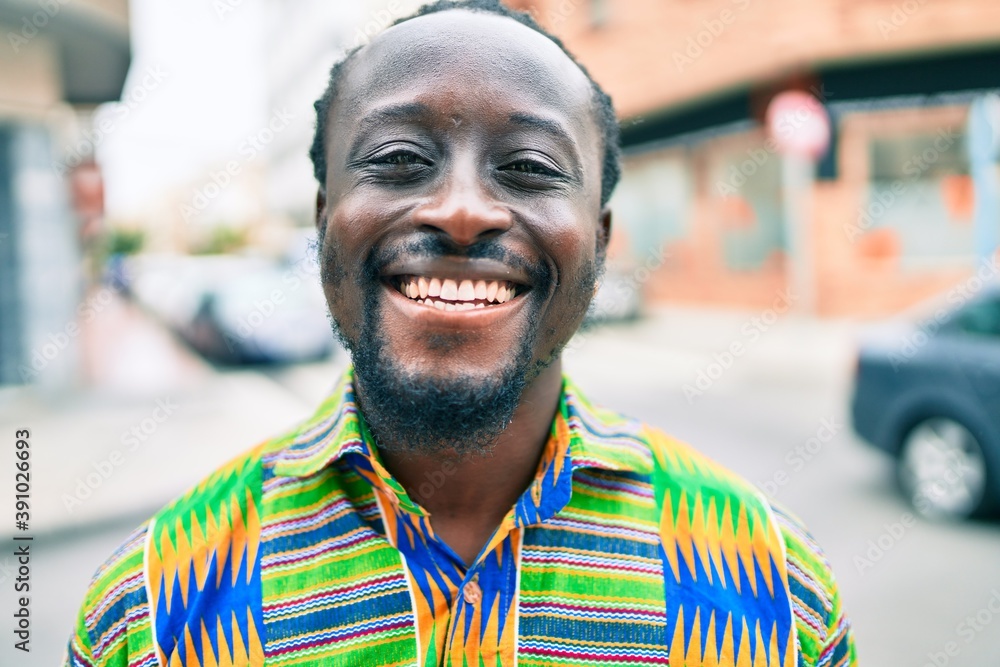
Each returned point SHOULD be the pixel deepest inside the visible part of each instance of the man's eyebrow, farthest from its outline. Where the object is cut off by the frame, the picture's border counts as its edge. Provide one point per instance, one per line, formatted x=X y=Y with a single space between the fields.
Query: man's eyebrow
x=397 y=111
x=544 y=124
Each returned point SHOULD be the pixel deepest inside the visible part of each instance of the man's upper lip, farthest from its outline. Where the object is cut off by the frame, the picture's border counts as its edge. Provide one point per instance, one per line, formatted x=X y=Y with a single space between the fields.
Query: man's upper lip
x=457 y=268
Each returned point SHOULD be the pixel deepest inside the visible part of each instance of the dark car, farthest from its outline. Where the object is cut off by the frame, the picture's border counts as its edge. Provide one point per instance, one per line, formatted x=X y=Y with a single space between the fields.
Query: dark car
x=929 y=394
x=263 y=317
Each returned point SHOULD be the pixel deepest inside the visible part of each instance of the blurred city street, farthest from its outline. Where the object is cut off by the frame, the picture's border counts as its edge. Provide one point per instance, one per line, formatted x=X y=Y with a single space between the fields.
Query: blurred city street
x=802 y=273
x=911 y=586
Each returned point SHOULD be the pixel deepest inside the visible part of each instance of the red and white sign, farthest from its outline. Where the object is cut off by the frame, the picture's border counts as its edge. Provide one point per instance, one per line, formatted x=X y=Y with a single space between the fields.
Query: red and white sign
x=799 y=124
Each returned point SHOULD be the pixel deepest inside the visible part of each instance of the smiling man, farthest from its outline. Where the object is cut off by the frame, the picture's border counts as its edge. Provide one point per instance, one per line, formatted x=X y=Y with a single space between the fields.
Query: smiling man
x=457 y=501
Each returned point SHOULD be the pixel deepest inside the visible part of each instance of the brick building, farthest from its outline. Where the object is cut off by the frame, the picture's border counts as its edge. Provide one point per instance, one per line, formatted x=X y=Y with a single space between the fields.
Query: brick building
x=900 y=207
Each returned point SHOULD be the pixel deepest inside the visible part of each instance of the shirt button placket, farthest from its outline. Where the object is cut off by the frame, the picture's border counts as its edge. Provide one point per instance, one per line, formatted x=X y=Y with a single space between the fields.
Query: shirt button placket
x=471 y=592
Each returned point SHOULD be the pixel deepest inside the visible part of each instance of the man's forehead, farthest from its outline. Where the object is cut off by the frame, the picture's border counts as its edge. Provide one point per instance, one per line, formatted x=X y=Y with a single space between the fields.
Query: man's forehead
x=468 y=51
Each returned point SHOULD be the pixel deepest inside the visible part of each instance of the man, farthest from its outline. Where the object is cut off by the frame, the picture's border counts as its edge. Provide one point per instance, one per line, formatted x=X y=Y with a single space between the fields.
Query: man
x=456 y=500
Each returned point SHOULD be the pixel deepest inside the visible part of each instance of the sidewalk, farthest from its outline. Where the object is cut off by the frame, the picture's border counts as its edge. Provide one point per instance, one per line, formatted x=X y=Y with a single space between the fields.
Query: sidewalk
x=158 y=419
x=154 y=421
x=718 y=350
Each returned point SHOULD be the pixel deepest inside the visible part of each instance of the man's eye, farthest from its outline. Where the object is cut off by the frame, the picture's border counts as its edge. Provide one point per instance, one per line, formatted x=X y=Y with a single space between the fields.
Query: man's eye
x=400 y=158
x=530 y=167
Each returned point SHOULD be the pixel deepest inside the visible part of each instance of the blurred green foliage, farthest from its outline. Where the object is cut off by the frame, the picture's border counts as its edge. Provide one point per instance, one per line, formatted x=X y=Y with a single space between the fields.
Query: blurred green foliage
x=124 y=241
x=221 y=240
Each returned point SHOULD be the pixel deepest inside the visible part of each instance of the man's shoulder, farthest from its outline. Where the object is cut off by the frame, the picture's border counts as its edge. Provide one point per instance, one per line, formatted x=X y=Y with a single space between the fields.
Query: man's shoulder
x=614 y=440
x=677 y=465
x=694 y=491
x=217 y=515
x=236 y=478
x=114 y=607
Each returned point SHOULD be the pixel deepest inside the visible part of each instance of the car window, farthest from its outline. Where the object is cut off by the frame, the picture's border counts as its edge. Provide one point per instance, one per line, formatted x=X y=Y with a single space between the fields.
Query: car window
x=980 y=319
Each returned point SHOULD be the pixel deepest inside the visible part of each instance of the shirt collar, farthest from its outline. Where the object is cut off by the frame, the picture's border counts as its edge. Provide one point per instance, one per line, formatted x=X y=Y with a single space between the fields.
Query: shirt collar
x=582 y=436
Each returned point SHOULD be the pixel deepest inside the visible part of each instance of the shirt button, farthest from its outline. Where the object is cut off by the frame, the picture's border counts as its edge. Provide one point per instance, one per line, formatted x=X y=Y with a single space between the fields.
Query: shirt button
x=472 y=592
x=536 y=492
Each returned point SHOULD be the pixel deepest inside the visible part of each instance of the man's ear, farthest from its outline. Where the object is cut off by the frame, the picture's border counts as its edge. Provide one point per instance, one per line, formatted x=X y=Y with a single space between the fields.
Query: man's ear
x=603 y=234
x=321 y=212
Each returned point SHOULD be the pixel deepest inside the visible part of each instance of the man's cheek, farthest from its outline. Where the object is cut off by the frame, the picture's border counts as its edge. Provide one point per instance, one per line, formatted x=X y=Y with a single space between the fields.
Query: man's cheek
x=346 y=312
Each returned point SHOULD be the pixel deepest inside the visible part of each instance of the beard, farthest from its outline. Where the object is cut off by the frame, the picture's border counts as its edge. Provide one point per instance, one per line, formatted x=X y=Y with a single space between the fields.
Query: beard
x=410 y=411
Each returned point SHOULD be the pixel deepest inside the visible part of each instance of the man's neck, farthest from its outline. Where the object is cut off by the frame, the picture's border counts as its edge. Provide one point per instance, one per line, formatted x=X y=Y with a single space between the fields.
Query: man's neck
x=468 y=497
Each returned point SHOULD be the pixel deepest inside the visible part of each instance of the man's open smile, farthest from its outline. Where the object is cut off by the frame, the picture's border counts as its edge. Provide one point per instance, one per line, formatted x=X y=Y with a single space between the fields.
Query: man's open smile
x=453 y=285
x=448 y=294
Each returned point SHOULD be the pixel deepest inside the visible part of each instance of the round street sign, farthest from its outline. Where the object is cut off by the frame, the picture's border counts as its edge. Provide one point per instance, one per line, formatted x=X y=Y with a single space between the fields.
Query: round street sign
x=799 y=124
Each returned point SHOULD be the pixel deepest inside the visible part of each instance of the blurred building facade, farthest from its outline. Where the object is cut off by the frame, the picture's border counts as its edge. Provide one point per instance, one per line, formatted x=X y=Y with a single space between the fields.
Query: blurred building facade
x=903 y=204
x=58 y=60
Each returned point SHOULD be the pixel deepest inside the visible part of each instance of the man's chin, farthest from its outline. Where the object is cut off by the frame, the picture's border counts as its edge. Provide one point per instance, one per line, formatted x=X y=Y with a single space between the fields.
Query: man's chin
x=427 y=412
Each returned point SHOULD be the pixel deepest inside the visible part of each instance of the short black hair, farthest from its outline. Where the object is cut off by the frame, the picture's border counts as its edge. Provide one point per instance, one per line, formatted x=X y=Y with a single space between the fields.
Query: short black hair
x=611 y=164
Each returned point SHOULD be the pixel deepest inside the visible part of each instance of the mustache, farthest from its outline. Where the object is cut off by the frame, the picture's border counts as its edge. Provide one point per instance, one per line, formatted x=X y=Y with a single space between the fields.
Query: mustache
x=434 y=247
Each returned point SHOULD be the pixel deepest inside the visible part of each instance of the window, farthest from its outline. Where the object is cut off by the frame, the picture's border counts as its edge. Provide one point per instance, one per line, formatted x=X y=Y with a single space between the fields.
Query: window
x=981 y=318
x=599 y=12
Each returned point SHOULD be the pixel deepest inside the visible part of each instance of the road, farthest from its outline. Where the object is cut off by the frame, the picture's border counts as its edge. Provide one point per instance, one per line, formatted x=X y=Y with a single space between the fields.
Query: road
x=918 y=593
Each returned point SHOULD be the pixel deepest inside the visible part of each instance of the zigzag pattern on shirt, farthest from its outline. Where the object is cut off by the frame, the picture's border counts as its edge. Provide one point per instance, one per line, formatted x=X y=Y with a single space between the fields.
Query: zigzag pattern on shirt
x=203 y=572
x=728 y=602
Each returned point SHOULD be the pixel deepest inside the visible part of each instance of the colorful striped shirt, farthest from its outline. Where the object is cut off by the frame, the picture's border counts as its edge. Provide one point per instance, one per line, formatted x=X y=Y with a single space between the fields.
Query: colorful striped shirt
x=628 y=548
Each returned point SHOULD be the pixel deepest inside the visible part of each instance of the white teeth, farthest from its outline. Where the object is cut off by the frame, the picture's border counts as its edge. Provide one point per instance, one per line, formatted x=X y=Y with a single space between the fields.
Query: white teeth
x=456 y=295
x=449 y=290
x=466 y=292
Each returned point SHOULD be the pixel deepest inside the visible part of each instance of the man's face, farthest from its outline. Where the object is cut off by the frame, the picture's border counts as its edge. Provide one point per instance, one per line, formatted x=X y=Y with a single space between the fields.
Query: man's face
x=462 y=219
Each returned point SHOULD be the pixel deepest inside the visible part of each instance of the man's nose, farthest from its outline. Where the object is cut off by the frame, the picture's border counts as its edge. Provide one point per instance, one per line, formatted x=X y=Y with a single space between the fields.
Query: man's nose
x=464 y=210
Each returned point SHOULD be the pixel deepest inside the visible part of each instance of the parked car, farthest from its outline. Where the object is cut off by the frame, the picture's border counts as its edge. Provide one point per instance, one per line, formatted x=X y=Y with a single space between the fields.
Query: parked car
x=268 y=316
x=928 y=393
x=235 y=309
